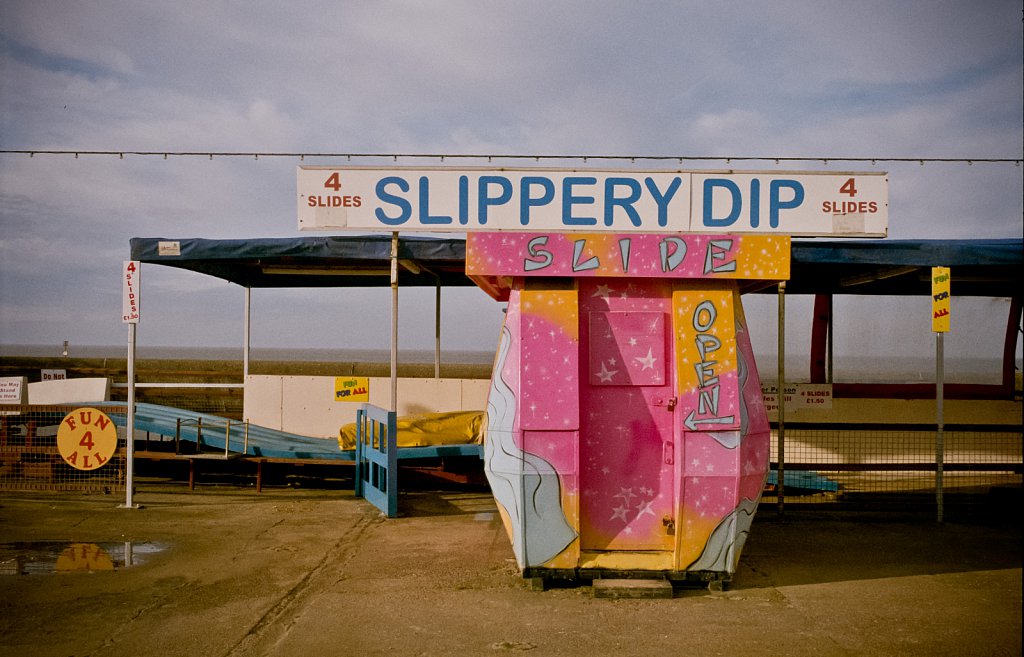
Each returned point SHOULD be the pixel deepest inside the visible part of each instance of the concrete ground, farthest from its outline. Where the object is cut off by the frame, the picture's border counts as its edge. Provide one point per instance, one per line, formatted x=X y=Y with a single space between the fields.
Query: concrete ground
x=226 y=572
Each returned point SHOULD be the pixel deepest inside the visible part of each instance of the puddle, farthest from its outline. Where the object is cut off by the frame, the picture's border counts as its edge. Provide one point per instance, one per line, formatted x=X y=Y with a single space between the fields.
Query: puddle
x=45 y=558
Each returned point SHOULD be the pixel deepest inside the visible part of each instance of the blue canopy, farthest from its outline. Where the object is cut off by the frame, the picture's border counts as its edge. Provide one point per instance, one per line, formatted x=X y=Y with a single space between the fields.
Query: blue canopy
x=991 y=268
x=317 y=261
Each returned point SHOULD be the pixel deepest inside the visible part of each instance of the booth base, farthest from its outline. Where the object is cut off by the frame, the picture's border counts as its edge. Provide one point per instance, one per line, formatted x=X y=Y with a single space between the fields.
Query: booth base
x=540 y=579
x=632 y=588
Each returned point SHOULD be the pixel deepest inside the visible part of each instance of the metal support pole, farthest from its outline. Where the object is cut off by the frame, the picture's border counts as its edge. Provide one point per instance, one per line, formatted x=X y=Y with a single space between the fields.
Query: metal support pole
x=940 y=439
x=245 y=335
x=782 y=398
x=437 y=329
x=831 y=332
x=130 y=422
x=394 y=321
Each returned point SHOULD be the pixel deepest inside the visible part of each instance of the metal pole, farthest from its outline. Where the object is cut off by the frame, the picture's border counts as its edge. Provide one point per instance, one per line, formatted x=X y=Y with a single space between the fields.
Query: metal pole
x=831 y=332
x=130 y=422
x=437 y=329
x=394 y=321
x=245 y=335
x=940 y=439
x=782 y=398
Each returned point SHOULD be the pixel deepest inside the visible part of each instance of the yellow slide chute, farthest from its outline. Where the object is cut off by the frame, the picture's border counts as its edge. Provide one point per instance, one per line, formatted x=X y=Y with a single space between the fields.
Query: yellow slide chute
x=428 y=429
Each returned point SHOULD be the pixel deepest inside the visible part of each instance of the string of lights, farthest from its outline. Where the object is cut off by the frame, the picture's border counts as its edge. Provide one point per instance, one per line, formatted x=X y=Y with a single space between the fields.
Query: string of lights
x=441 y=157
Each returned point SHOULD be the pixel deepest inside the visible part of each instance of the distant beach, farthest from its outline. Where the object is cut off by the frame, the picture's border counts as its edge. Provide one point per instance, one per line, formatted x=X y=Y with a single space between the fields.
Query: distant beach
x=859 y=369
x=255 y=353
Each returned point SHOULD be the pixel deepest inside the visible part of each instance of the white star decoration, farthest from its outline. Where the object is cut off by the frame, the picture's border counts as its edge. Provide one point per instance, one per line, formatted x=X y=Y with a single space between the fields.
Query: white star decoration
x=626 y=494
x=605 y=375
x=645 y=507
x=620 y=512
x=646 y=361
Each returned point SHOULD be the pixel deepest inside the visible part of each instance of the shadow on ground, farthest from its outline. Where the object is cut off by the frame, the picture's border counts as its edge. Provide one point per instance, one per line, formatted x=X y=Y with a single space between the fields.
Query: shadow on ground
x=814 y=548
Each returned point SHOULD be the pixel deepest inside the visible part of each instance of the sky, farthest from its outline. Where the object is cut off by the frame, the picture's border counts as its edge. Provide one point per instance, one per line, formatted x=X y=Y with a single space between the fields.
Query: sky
x=913 y=79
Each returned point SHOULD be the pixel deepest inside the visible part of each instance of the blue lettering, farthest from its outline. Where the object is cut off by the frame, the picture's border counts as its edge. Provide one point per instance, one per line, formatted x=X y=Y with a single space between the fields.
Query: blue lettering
x=485 y=200
x=569 y=200
x=663 y=199
x=425 y=217
x=529 y=201
x=737 y=202
x=463 y=200
x=385 y=197
x=755 y=203
x=774 y=204
x=610 y=200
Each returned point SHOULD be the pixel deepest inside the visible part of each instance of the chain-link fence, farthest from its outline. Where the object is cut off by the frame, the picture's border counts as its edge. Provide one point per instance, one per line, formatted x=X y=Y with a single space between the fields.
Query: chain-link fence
x=90 y=458
x=222 y=399
x=893 y=467
x=844 y=466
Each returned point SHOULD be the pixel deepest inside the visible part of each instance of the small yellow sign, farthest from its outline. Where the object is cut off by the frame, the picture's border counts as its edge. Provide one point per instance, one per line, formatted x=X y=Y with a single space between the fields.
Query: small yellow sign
x=86 y=439
x=352 y=389
x=940 y=299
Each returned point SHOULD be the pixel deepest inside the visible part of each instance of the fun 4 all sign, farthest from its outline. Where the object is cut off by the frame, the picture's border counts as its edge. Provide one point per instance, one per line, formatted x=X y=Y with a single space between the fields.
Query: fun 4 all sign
x=940 y=299
x=86 y=439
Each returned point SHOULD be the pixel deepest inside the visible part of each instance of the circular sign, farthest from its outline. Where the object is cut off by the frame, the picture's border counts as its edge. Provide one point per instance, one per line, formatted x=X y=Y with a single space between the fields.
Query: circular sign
x=84 y=556
x=86 y=439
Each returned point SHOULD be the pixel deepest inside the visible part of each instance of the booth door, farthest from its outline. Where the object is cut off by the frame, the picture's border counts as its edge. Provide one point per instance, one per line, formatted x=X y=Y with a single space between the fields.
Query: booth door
x=627 y=495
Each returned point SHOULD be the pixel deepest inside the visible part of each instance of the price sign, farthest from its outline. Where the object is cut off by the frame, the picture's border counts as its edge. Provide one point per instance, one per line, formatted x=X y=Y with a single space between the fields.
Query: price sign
x=130 y=292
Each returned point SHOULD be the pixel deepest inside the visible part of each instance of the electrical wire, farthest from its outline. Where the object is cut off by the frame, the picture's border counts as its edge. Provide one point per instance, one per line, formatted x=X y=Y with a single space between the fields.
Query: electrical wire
x=514 y=156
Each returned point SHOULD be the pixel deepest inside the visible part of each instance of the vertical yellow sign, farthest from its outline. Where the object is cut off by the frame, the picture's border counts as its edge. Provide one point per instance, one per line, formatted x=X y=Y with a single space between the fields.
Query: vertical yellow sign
x=940 y=299
x=352 y=389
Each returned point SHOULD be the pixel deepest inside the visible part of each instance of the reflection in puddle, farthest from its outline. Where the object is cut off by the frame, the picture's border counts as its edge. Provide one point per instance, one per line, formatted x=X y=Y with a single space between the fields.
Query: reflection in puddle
x=43 y=558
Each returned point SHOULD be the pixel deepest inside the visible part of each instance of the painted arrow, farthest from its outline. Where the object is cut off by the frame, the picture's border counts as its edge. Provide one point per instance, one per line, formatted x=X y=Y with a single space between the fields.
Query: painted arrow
x=691 y=423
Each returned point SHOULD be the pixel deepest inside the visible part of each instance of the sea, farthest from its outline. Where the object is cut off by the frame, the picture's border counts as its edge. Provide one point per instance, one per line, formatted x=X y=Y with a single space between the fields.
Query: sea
x=306 y=355
x=847 y=369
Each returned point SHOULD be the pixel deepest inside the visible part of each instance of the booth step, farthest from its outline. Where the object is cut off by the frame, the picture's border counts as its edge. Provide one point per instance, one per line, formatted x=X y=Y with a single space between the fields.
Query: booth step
x=632 y=588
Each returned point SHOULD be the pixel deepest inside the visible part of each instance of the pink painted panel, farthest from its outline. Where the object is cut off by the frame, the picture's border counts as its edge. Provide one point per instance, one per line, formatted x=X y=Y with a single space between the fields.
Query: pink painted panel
x=628 y=255
x=627 y=465
x=627 y=348
x=549 y=369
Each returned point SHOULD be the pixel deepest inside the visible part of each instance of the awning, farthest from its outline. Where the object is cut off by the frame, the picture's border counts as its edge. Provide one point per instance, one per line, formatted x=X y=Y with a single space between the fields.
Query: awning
x=985 y=268
x=317 y=261
x=989 y=268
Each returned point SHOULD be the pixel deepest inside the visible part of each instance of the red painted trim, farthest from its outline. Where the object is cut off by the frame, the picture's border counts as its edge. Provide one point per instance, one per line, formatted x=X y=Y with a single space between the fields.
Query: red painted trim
x=821 y=319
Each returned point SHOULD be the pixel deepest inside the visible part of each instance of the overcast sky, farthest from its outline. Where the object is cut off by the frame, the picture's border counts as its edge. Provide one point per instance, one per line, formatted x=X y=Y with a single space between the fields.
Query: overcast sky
x=926 y=78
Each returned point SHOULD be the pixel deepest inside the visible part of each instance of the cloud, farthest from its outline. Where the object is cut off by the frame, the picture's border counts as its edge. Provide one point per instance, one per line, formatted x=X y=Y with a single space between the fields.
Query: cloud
x=664 y=78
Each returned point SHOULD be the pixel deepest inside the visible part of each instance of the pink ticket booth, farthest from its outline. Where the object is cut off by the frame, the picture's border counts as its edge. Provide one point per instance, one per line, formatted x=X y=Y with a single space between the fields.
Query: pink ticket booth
x=626 y=432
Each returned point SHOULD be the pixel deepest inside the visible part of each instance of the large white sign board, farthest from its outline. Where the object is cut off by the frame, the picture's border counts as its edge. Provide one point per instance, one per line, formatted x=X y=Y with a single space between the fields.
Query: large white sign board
x=549 y=200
